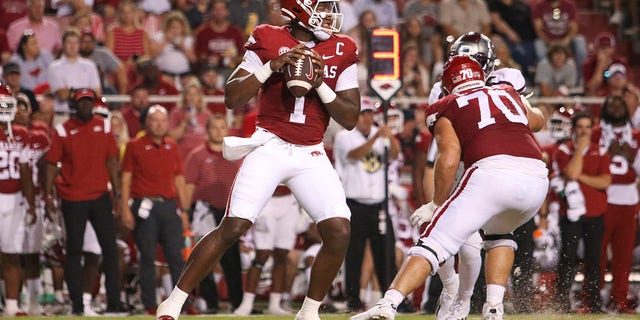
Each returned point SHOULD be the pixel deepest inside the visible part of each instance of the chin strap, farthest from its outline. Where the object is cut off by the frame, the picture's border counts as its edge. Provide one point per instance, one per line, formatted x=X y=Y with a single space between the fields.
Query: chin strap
x=9 y=129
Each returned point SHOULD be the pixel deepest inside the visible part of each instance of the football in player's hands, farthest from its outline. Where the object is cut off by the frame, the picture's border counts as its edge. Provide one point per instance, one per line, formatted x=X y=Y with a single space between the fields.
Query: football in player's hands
x=300 y=76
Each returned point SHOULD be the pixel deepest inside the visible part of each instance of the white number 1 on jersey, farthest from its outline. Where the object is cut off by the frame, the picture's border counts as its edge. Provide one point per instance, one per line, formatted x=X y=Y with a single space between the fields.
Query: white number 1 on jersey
x=298 y=108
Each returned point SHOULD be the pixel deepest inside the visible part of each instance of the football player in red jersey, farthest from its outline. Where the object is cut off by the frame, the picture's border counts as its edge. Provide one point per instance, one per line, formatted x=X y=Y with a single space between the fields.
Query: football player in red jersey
x=15 y=186
x=490 y=130
x=38 y=144
x=287 y=144
x=616 y=136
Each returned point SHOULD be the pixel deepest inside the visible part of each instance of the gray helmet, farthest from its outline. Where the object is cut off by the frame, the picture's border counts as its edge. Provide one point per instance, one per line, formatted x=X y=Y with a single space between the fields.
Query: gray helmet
x=477 y=46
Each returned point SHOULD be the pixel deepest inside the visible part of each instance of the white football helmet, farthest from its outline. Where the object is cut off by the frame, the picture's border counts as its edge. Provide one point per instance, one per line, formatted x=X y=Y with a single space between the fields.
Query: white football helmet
x=8 y=104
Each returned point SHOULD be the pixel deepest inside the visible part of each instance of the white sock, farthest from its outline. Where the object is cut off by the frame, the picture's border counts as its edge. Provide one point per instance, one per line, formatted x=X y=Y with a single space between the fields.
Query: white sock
x=274 y=300
x=34 y=287
x=166 y=283
x=11 y=305
x=394 y=296
x=448 y=276
x=177 y=297
x=495 y=294
x=375 y=296
x=59 y=296
x=309 y=306
x=86 y=299
x=247 y=300
x=469 y=268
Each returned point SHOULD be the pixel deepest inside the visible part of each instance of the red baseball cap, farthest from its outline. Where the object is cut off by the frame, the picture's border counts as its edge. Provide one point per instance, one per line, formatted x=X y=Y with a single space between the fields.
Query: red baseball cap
x=84 y=93
x=604 y=39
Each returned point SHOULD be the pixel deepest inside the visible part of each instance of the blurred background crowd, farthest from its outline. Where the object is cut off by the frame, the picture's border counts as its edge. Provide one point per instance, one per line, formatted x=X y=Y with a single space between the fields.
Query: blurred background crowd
x=135 y=54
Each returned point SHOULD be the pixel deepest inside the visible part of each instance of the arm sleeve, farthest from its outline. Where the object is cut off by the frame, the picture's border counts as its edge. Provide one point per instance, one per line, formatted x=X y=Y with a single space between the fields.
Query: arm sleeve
x=348 y=79
x=251 y=62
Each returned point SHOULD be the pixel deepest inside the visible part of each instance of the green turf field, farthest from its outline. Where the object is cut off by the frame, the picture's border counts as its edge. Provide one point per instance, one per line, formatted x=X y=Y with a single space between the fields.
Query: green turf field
x=346 y=316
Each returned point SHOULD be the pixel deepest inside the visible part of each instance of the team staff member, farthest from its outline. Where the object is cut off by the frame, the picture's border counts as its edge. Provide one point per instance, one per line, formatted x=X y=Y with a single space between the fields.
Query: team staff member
x=359 y=161
x=86 y=149
x=209 y=179
x=152 y=175
x=582 y=213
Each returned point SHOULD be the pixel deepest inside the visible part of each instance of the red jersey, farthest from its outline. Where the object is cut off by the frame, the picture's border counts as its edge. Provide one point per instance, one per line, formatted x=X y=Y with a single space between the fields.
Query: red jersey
x=301 y=120
x=13 y=152
x=555 y=20
x=211 y=174
x=623 y=189
x=153 y=167
x=594 y=163
x=83 y=149
x=39 y=143
x=209 y=42
x=488 y=121
x=423 y=141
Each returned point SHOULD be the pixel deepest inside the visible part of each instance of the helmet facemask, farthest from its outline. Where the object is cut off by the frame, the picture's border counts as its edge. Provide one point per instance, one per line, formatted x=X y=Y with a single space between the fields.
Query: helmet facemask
x=318 y=12
x=8 y=108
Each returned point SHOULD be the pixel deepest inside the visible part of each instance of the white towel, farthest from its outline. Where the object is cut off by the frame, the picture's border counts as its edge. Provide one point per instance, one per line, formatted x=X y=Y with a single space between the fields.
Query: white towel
x=575 y=201
x=235 y=148
x=609 y=133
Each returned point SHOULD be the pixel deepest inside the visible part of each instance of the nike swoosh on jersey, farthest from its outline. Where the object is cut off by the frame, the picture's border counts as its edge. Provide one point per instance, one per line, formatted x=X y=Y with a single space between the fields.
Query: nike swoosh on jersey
x=327 y=57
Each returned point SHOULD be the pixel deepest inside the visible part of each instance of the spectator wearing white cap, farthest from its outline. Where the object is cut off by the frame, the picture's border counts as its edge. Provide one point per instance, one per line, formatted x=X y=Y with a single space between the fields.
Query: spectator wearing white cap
x=596 y=65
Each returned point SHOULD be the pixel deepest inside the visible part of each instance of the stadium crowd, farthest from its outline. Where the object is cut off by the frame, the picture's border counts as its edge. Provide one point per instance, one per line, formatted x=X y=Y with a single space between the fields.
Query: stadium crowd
x=130 y=196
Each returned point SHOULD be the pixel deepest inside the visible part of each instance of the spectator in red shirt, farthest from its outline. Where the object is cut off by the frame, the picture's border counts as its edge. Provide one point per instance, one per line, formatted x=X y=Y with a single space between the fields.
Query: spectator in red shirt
x=86 y=148
x=556 y=22
x=131 y=111
x=595 y=67
x=210 y=80
x=585 y=173
x=12 y=10
x=126 y=39
x=219 y=42
x=187 y=124
x=153 y=178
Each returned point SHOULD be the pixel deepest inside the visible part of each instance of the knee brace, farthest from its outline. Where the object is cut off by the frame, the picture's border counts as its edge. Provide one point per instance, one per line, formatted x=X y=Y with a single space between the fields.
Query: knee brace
x=499 y=240
x=421 y=250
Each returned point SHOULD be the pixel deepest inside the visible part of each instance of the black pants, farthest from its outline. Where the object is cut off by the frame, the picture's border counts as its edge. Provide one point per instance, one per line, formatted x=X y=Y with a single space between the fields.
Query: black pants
x=591 y=230
x=98 y=212
x=365 y=225
x=522 y=271
x=163 y=226
x=232 y=269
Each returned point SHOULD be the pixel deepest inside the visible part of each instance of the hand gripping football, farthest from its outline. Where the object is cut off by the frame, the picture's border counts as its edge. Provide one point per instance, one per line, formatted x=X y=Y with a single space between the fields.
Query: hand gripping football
x=300 y=76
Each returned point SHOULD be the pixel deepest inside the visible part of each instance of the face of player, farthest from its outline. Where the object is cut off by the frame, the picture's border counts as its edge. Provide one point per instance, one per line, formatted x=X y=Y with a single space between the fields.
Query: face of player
x=583 y=127
x=157 y=124
x=22 y=114
x=217 y=130
x=617 y=111
x=84 y=108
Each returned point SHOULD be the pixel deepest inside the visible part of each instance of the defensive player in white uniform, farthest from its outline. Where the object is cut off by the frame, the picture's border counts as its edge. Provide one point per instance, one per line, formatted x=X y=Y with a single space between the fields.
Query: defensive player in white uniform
x=287 y=145
x=16 y=185
x=455 y=299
